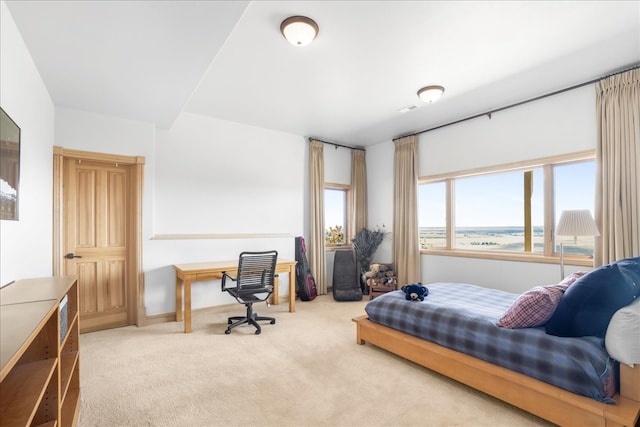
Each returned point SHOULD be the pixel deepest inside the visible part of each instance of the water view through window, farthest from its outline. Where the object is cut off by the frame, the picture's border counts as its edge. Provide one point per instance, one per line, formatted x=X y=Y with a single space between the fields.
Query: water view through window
x=489 y=210
x=483 y=238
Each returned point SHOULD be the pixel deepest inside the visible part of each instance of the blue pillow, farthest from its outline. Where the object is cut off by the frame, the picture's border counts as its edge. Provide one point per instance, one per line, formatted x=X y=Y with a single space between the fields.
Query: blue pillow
x=588 y=305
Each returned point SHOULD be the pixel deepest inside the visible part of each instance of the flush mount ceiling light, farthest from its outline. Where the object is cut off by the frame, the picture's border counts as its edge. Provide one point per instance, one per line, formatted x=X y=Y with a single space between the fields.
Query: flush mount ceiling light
x=430 y=93
x=299 y=30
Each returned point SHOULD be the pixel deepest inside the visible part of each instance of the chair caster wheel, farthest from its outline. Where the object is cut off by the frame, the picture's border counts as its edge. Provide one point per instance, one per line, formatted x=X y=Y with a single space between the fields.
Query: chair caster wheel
x=273 y=322
x=258 y=331
x=228 y=331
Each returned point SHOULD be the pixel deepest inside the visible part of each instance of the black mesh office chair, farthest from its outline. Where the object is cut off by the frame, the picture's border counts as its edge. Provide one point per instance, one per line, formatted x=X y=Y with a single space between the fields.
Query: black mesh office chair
x=254 y=283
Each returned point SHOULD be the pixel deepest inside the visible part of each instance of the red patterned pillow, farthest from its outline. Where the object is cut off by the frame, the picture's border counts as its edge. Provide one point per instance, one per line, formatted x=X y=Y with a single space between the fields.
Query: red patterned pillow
x=536 y=306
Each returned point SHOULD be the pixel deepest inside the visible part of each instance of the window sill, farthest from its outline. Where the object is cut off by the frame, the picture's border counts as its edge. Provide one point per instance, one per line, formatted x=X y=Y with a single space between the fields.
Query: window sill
x=334 y=248
x=583 y=261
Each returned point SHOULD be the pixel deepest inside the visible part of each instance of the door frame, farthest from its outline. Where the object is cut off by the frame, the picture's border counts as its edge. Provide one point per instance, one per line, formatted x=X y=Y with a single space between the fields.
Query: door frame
x=135 y=276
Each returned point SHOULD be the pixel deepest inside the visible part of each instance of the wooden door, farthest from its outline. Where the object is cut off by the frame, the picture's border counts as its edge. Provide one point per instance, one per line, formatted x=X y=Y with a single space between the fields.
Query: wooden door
x=96 y=203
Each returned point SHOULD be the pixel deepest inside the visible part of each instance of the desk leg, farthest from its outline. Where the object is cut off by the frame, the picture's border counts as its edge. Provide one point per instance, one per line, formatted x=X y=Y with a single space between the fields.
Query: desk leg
x=178 y=299
x=187 y=306
x=276 y=291
x=292 y=289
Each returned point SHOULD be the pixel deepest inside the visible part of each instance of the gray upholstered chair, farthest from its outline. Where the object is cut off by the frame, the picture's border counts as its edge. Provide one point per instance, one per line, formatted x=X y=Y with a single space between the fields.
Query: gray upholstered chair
x=346 y=284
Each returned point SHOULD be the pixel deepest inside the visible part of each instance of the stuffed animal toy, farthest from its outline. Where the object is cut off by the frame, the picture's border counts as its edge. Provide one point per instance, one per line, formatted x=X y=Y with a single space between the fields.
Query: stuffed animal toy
x=415 y=291
x=380 y=279
x=374 y=271
x=378 y=274
x=389 y=277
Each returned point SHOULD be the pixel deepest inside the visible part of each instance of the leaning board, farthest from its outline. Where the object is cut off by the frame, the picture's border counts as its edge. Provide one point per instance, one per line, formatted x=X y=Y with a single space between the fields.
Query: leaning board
x=539 y=398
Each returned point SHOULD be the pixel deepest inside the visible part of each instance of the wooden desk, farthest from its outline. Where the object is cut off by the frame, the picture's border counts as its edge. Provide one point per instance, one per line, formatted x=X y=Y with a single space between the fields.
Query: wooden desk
x=201 y=271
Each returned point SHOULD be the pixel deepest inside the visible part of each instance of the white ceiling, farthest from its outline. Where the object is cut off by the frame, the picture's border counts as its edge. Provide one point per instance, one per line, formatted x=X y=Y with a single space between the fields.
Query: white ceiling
x=151 y=60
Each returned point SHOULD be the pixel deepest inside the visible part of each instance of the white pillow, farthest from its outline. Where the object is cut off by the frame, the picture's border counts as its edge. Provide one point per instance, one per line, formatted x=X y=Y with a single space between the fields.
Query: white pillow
x=623 y=334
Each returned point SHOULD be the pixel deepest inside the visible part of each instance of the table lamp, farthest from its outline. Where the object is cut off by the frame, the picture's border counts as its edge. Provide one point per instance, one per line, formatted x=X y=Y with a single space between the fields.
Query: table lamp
x=574 y=223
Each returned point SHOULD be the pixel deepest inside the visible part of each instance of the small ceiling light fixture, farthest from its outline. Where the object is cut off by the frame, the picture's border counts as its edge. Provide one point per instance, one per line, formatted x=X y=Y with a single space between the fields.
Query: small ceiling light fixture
x=299 y=30
x=430 y=93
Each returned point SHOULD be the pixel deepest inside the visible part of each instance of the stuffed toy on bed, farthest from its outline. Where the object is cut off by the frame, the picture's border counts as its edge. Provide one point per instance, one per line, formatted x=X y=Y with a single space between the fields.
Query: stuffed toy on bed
x=415 y=291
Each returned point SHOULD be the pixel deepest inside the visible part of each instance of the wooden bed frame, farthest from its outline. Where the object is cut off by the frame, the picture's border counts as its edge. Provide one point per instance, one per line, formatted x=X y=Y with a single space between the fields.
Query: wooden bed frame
x=539 y=398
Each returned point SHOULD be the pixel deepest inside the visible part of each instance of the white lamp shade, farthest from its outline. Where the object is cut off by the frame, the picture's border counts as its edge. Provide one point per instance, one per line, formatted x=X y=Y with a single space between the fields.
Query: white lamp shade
x=299 y=30
x=430 y=93
x=576 y=223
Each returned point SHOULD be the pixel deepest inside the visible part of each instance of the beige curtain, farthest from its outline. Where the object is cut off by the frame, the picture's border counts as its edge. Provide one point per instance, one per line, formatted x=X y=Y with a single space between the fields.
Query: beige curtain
x=358 y=191
x=315 y=249
x=406 y=246
x=618 y=161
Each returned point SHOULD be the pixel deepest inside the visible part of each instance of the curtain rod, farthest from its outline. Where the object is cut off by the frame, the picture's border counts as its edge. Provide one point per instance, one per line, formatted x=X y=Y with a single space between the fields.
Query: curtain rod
x=488 y=113
x=336 y=144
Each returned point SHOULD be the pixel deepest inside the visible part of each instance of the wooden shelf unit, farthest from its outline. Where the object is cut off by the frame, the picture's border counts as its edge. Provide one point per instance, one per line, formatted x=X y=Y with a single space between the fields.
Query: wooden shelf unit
x=39 y=353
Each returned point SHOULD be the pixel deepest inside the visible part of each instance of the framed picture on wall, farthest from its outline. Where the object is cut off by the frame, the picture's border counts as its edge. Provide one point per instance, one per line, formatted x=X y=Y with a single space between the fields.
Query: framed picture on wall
x=9 y=167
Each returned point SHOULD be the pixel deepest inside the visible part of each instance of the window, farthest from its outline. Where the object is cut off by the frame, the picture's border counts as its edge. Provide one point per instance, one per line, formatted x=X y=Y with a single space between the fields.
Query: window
x=506 y=210
x=490 y=212
x=574 y=188
x=432 y=205
x=336 y=214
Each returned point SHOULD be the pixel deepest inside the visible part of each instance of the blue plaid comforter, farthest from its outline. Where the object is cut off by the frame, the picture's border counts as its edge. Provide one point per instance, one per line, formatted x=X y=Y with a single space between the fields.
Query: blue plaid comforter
x=462 y=317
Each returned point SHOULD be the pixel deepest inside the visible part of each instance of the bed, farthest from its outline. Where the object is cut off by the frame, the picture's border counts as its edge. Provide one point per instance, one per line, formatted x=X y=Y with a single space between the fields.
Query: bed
x=565 y=380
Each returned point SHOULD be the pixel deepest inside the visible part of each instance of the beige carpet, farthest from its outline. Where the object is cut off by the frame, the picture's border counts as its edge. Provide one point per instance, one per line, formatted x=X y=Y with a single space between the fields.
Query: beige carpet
x=306 y=370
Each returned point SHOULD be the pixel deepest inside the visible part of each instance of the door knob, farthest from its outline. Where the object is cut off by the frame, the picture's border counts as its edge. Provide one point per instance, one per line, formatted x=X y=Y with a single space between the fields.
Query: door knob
x=71 y=255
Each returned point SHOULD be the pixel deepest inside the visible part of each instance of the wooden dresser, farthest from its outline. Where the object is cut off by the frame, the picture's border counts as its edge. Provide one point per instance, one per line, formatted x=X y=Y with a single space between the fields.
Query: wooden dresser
x=39 y=352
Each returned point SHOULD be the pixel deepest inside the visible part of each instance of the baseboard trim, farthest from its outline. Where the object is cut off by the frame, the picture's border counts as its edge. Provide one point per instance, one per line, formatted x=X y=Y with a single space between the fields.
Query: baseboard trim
x=171 y=317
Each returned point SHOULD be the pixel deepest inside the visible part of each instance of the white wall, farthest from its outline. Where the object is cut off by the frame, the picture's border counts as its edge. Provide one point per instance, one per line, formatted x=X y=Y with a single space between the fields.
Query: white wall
x=218 y=177
x=380 y=195
x=509 y=276
x=215 y=176
x=337 y=164
x=559 y=124
x=26 y=244
x=551 y=126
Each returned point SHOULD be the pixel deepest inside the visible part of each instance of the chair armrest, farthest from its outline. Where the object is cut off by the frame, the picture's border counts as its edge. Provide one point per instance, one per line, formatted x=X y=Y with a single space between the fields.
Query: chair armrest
x=224 y=280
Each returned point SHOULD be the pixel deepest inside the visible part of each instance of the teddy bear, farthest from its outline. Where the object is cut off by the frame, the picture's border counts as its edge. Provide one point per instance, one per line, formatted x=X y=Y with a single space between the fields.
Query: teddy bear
x=375 y=274
x=380 y=279
x=380 y=274
x=415 y=291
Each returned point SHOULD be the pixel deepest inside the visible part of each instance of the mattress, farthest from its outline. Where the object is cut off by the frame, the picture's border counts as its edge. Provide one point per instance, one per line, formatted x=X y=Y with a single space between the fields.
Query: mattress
x=463 y=317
